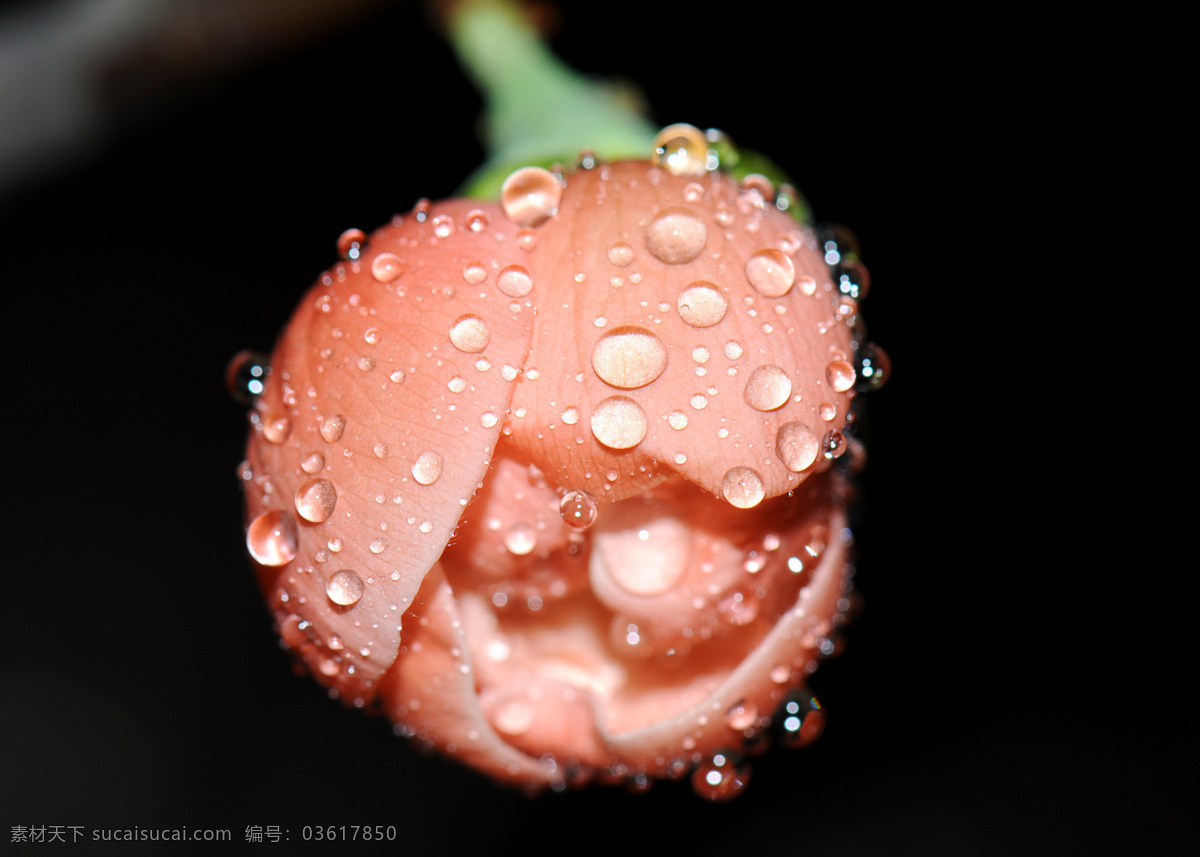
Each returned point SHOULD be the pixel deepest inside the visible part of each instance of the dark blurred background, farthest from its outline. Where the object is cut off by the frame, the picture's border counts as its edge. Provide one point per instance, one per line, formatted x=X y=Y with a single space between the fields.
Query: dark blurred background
x=173 y=176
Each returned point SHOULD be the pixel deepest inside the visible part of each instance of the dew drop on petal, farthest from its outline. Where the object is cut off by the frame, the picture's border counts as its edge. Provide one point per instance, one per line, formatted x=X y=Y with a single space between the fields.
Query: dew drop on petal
x=315 y=500
x=743 y=487
x=427 y=468
x=619 y=422
x=677 y=420
x=718 y=778
x=527 y=239
x=332 y=428
x=833 y=444
x=487 y=419
x=733 y=349
x=474 y=273
x=530 y=196
x=742 y=716
x=457 y=384
x=520 y=539
x=675 y=236
x=768 y=388
x=771 y=272
x=570 y=416
x=514 y=281
x=796 y=446
x=276 y=428
x=443 y=226
x=469 y=334
x=477 y=220
x=246 y=375
x=272 y=538
x=702 y=304
x=682 y=150
x=344 y=587
x=799 y=720
x=350 y=244
x=620 y=254
x=578 y=509
x=629 y=357
x=874 y=367
x=386 y=267
x=840 y=375
x=312 y=462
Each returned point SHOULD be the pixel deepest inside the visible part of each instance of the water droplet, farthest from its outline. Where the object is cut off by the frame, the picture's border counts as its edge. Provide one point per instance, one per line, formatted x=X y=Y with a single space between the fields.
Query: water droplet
x=530 y=196
x=246 y=375
x=477 y=220
x=276 y=428
x=378 y=546
x=469 y=334
x=702 y=304
x=828 y=412
x=699 y=401
x=620 y=254
x=833 y=444
x=272 y=539
x=515 y=281
x=743 y=487
x=677 y=420
x=796 y=446
x=629 y=357
x=527 y=240
x=675 y=236
x=768 y=388
x=771 y=272
x=874 y=368
x=386 y=267
x=457 y=384
x=619 y=422
x=313 y=462
x=840 y=375
x=425 y=526
x=345 y=587
x=350 y=244
x=366 y=364
x=719 y=778
x=681 y=150
x=742 y=716
x=515 y=718
x=427 y=468
x=443 y=226
x=578 y=509
x=381 y=451
x=487 y=419
x=474 y=273
x=315 y=500
x=332 y=428
x=520 y=539
x=799 y=720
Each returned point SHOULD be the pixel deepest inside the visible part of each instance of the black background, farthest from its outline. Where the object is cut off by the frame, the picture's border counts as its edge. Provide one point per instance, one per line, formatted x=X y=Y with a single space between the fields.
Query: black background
x=1011 y=685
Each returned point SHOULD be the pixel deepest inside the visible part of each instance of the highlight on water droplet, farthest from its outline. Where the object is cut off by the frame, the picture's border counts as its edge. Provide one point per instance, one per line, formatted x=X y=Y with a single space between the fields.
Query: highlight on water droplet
x=530 y=196
x=675 y=236
x=427 y=468
x=702 y=304
x=619 y=422
x=840 y=375
x=514 y=281
x=315 y=500
x=768 y=388
x=469 y=334
x=796 y=446
x=771 y=272
x=578 y=509
x=332 y=428
x=386 y=267
x=629 y=357
x=743 y=487
x=272 y=539
x=682 y=150
x=344 y=587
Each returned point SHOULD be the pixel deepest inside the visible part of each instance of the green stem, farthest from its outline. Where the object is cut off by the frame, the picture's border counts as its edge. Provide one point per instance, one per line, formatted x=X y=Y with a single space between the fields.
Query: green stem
x=538 y=110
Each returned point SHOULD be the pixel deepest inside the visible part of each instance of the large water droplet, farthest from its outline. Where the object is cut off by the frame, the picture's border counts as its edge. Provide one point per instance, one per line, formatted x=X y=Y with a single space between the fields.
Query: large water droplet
x=246 y=374
x=840 y=375
x=629 y=357
x=702 y=304
x=578 y=509
x=427 y=468
x=315 y=500
x=796 y=446
x=681 y=150
x=768 y=388
x=530 y=196
x=272 y=539
x=675 y=236
x=719 y=778
x=619 y=422
x=470 y=334
x=771 y=272
x=515 y=281
x=345 y=587
x=332 y=428
x=386 y=267
x=743 y=487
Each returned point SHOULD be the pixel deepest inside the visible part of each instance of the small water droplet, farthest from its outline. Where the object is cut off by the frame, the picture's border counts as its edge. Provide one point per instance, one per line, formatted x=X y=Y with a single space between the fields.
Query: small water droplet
x=768 y=388
x=682 y=150
x=840 y=375
x=427 y=468
x=530 y=196
x=771 y=272
x=677 y=420
x=699 y=401
x=733 y=349
x=315 y=500
x=313 y=462
x=874 y=368
x=719 y=778
x=381 y=451
x=425 y=526
x=629 y=357
x=457 y=384
x=619 y=422
x=350 y=244
x=578 y=509
x=443 y=226
x=620 y=254
x=344 y=587
x=833 y=444
x=474 y=273
x=487 y=419
x=675 y=236
x=276 y=428
x=246 y=374
x=477 y=220
x=828 y=412
x=527 y=240
x=386 y=267
x=272 y=539
x=378 y=545
x=796 y=446
x=702 y=304
x=365 y=364
x=469 y=334
x=397 y=377
x=520 y=539
x=743 y=487
x=515 y=281
x=332 y=428
x=742 y=716
x=515 y=718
